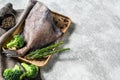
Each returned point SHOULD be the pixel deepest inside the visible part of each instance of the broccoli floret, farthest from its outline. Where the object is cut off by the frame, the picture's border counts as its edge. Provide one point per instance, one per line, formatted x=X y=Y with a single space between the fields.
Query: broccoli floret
x=17 y=42
x=16 y=73
x=31 y=71
x=13 y=73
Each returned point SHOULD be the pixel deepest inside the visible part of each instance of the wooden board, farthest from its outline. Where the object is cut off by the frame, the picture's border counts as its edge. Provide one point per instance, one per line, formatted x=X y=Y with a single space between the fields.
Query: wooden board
x=63 y=23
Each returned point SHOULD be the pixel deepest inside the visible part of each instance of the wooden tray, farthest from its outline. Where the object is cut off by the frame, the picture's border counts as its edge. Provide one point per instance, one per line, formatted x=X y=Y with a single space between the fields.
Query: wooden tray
x=63 y=23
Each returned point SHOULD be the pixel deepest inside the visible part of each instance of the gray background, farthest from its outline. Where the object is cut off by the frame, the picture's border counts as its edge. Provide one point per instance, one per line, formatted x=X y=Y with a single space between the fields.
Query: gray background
x=94 y=39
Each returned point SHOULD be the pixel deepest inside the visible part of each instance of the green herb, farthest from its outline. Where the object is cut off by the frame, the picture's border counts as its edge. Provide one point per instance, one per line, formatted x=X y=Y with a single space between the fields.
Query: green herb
x=49 y=48
x=45 y=51
x=37 y=56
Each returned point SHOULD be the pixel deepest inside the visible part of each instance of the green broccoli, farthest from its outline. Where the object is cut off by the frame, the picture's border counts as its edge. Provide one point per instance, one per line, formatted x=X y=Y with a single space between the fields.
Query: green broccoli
x=13 y=73
x=31 y=71
x=17 y=42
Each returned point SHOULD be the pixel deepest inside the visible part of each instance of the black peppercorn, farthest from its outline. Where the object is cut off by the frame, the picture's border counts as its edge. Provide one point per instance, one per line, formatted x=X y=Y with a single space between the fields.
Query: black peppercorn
x=8 y=22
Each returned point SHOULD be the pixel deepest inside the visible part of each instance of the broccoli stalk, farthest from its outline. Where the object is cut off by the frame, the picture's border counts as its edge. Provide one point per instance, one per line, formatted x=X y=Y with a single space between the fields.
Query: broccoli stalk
x=17 y=42
x=31 y=71
x=13 y=73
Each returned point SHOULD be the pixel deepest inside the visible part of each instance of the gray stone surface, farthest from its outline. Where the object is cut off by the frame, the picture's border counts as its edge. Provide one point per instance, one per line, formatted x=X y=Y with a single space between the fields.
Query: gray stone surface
x=94 y=39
